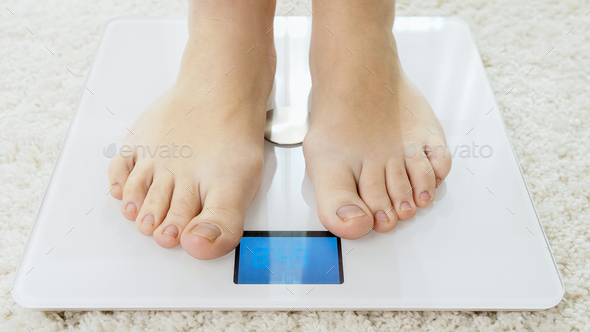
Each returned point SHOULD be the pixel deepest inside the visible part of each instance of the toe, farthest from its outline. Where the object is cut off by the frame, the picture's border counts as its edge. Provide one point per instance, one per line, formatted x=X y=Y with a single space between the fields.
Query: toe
x=217 y=230
x=156 y=204
x=440 y=159
x=373 y=192
x=135 y=190
x=119 y=169
x=184 y=206
x=422 y=178
x=399 y=189
x=340 y=208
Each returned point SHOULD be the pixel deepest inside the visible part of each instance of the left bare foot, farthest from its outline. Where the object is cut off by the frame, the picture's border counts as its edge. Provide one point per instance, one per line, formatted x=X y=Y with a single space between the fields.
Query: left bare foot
x=365 y=114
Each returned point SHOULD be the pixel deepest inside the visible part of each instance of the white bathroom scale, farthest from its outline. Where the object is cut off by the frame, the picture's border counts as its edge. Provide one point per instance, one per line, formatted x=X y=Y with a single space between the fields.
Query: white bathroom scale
x=480 y=246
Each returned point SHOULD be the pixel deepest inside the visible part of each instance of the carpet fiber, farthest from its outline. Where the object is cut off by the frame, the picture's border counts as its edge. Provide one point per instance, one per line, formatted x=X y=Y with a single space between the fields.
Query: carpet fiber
x=537 y=51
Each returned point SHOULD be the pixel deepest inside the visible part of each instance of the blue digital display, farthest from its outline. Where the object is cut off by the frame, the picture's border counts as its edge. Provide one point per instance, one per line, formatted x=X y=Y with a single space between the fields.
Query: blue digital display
x=273 y=258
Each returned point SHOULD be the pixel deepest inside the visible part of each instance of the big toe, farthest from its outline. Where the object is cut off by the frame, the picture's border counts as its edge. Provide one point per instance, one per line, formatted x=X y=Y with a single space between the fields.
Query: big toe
x=340 y=208
x=218 y=229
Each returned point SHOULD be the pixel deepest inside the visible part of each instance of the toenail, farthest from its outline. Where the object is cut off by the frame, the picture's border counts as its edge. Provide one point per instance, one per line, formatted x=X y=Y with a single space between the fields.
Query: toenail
x=171 y=230
x=130 y=207
x=438 y=181
x=207 y=230
x=381 y=216
x=350 y=211
x=425 y=196
x=406 y=206
x=149 y=219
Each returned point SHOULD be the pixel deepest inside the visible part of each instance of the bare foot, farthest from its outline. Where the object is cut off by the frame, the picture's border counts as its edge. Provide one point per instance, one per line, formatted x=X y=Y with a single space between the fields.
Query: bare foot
x=365 y=114
x=211 y=123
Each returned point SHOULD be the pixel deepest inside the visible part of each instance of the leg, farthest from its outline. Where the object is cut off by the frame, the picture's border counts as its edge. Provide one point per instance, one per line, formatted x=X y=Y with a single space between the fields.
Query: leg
x=198 y=195
x=365 y=114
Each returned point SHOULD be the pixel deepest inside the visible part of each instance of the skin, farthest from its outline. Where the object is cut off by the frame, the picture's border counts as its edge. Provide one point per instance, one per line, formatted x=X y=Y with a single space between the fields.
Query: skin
x=366 y=118
x=200 y=202
x=365 y=114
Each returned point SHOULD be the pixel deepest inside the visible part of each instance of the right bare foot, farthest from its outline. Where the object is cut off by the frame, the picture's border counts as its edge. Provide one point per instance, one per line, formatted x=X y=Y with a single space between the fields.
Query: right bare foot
x=217 y=107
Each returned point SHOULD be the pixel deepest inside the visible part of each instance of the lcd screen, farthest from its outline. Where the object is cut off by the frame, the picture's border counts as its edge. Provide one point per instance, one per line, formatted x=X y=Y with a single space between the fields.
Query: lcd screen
x=288 y=257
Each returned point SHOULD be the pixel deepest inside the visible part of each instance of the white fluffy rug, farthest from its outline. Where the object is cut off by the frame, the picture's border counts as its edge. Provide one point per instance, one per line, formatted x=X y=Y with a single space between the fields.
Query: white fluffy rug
x=547 y=114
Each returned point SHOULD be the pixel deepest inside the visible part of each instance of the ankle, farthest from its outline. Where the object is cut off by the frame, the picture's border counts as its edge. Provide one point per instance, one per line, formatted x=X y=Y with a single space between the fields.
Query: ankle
x=229 y=35
x=256 y=16
x=357 y=15
x=336 y=56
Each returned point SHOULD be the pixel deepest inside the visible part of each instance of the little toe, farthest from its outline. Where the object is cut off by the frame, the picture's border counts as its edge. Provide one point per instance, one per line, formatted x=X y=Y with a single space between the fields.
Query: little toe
x=373 y=192
x=218 y=229
x=134 y=192
x=184 y=206
x=340 y=208
x=400 y=190
x=440 y=159
x=156 y=205
x=119 y=169
x=422 y=178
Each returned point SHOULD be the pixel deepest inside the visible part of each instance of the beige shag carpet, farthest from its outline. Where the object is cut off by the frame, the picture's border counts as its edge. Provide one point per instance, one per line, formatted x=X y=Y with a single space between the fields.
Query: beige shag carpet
x=547 y=114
